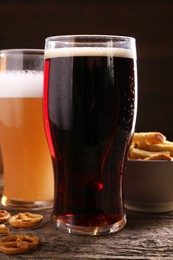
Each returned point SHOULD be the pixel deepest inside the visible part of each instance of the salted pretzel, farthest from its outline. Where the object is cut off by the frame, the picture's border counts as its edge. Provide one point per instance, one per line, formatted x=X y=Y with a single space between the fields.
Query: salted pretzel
x=25 y=220
x=150 y=146
x=4 y=215
x=153 y=137
x=17 y=244
x=4 y=229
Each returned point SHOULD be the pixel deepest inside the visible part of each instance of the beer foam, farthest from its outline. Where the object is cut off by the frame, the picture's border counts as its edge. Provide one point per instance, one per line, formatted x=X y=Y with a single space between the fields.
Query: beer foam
x=90 y=51
x=21 y=84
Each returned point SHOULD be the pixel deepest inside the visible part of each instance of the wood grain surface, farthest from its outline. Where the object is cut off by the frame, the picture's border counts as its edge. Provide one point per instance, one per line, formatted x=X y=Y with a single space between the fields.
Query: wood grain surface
x=146 y=236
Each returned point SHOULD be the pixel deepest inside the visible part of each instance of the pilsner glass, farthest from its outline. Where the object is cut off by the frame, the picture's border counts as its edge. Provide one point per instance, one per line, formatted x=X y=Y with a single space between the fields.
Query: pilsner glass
x=27 y=167
x=90 y=99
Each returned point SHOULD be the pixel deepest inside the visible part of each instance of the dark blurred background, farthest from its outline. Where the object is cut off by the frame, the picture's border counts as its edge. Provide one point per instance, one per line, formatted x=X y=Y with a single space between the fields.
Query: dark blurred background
x=26 y=24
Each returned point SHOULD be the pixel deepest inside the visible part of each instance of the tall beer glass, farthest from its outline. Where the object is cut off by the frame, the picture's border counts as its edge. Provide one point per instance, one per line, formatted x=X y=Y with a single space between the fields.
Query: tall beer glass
x=89 y=114
x=27 y=168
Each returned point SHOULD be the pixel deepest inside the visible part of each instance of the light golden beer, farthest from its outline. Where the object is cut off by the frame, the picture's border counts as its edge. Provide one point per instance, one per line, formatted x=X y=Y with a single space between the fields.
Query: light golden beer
x=28 y=174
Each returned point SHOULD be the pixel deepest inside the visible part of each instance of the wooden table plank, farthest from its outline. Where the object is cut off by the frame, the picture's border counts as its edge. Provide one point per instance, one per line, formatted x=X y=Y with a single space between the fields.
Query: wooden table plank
x=146 y=236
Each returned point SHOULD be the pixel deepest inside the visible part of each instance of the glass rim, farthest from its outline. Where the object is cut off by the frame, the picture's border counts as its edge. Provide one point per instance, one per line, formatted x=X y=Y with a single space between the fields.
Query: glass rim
x=69 y=45
x=20 y=50
x=96 y=36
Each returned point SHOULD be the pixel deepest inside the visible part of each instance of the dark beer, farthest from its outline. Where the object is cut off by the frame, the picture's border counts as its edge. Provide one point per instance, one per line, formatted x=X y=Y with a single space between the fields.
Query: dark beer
x=89 y=112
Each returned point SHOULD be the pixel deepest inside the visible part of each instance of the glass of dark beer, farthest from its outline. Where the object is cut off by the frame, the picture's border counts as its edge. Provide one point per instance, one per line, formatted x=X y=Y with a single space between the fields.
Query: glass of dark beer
x=90 y=102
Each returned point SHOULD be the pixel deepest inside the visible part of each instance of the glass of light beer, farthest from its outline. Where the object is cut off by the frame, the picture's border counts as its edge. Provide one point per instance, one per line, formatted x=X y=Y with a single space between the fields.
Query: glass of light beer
x=27 y=166
x=90 y=103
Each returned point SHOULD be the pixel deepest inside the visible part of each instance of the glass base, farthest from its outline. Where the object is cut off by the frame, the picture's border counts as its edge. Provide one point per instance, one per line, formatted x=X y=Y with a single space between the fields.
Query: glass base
x=26 y=205
x=90 y=231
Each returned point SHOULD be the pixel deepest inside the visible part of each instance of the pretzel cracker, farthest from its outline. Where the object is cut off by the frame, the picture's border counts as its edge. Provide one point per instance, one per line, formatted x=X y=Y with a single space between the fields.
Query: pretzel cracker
x=17 y=244
x=25 y=220
x=4 y=215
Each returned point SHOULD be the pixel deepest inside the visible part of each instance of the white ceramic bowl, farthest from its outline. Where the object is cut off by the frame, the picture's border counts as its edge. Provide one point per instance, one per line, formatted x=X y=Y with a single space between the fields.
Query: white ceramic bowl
x=148 y=186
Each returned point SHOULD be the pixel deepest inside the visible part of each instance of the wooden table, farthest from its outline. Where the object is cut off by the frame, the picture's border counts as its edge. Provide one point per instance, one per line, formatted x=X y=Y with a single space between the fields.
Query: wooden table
x=146 y=236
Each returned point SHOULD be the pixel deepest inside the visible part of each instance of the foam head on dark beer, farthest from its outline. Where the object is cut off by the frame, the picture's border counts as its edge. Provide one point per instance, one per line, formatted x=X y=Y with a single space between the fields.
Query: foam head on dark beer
x=90 y=51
